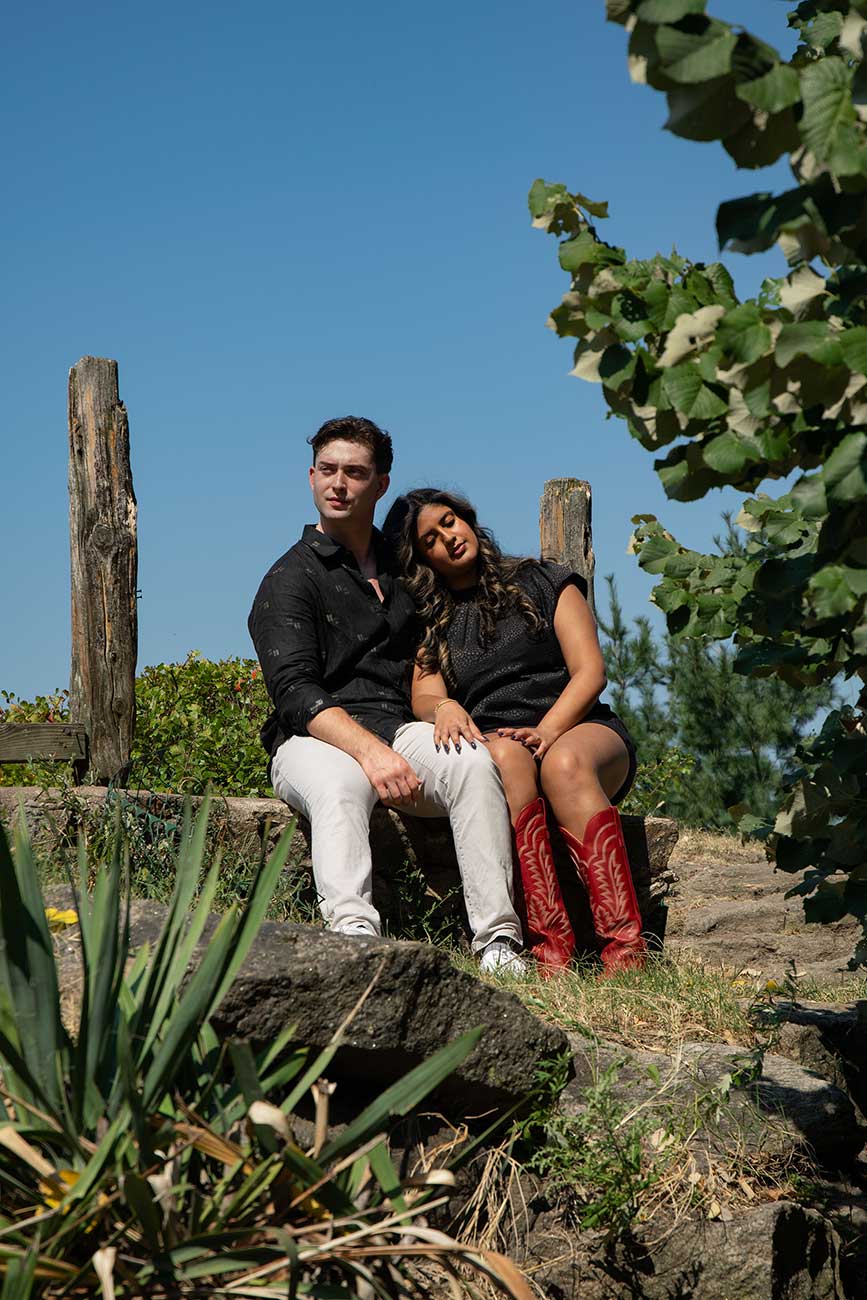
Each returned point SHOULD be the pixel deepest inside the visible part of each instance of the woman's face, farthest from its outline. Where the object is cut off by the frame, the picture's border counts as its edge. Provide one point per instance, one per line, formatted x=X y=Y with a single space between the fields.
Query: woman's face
x=448 y=544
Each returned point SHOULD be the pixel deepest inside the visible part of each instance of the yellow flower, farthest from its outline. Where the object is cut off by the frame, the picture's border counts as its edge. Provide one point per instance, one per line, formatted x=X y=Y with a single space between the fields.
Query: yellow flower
x=56 y=1185
x=57 y=919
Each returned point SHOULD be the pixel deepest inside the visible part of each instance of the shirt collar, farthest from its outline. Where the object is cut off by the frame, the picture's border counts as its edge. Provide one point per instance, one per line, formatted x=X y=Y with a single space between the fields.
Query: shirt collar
x=329 y=550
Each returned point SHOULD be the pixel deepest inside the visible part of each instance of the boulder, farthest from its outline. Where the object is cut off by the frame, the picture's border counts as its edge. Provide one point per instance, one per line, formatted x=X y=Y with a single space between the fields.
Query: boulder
x=778 y=1250
x=734 y=913
x=310 y=978
x=829 y=1038
x=785 y=1106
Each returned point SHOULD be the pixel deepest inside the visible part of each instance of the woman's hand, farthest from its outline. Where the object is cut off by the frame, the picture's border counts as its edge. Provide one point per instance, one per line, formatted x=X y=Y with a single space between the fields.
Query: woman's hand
x=537 y=739
x=452 y=724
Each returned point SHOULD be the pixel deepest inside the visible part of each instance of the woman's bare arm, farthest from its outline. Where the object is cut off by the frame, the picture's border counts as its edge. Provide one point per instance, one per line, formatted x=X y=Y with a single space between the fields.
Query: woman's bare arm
x=431 y=703
x=575 y=629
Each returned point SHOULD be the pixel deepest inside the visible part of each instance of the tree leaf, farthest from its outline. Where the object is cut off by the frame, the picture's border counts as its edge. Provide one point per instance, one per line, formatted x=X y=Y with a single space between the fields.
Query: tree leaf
x=762 y=139
x=776 y=90
x=668 y=11
x=586 y=248
x=743 y=335
x=690 y=57
x=689 y=394
x=692 y=330
x=618 y=11
x=815 y=339
x=830 y=593
x=708 y=110
x=728 y=454
x=801 y=288
x=824 y=30
x=826 y=88
x=595 y=209
x=845 y=471
x=588 y=356
x=853 y=343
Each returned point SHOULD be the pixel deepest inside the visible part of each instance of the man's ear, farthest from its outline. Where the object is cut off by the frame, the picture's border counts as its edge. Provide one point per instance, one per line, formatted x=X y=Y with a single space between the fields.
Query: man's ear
x=310 y=474
x=384 y=480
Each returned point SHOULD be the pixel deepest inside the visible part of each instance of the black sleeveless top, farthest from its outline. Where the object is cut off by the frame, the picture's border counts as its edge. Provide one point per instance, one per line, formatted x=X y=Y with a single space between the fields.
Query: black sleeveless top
x=514 y=679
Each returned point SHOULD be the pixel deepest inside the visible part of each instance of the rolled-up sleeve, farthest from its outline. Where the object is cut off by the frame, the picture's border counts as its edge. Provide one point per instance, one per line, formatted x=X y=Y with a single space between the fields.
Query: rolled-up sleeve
x=283 y=626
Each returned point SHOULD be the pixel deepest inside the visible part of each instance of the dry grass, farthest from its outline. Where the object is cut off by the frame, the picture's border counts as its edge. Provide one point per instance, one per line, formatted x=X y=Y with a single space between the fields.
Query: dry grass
x=692 y=844
x=670 y=1002
x=676 y=999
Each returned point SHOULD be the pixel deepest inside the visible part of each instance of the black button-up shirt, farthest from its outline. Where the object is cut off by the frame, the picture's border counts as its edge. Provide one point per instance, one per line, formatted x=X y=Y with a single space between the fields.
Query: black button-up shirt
x=324 y=639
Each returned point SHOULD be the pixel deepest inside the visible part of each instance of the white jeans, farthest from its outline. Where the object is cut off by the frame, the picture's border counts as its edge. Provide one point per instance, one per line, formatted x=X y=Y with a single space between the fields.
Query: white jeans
x=330 y=788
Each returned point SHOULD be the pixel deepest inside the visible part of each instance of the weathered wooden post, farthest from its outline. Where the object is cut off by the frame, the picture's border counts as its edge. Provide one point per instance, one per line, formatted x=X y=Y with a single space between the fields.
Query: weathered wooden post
x=104 y=554
x=565 y=527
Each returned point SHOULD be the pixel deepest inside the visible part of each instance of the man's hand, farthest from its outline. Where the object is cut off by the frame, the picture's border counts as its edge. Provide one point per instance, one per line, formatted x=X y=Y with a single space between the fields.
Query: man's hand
x=390 y=774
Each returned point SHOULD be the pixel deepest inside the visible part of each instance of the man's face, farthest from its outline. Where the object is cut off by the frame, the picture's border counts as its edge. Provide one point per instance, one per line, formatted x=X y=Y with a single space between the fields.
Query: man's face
x=345 y=482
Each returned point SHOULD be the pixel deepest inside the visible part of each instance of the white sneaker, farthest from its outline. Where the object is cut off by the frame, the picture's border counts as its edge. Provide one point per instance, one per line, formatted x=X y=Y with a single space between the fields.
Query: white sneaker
x=357 y=927
x=500 y=957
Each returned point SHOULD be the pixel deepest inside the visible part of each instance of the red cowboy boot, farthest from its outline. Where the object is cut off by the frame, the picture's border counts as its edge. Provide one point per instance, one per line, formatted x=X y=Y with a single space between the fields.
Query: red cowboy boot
x=549 y=932
x=604 y=869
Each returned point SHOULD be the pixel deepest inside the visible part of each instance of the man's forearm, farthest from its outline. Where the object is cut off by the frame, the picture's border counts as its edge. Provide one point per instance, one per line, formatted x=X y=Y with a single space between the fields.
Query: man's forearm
x=336 y=727
x=389 y=773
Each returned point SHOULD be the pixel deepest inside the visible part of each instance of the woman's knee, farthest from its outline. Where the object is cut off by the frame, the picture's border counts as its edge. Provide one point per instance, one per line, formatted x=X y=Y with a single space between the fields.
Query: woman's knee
x=512 y=759
x=518 y=769
x=568 y=768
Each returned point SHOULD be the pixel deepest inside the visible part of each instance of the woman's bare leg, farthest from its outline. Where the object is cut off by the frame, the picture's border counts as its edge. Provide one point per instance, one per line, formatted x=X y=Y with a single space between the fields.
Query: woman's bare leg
x=519 y=770
x=548 y=930
x=580 y=773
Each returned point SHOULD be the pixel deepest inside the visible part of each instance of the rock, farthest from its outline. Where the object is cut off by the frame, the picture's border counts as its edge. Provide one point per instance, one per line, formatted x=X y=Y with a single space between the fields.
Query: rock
x=829 y=1038
x=735 y=915
x=53 y=813
x=311 y=978
x=777 y=1251
x=785 y=1105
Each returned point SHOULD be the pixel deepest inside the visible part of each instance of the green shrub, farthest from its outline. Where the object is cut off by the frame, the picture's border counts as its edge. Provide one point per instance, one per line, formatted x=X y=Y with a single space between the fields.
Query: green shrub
x=658 y=782
x=197 y=723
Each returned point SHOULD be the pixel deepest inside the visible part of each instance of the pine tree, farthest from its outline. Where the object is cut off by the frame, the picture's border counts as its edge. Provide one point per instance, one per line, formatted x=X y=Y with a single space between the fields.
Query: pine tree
x=708 y=738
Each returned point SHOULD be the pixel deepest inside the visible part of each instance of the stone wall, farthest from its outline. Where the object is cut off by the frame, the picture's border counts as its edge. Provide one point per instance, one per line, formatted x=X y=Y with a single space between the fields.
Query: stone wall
x=249 y=825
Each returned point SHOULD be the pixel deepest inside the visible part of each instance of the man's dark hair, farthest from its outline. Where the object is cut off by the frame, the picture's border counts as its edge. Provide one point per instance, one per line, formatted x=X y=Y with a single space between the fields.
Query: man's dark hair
x=354 y=428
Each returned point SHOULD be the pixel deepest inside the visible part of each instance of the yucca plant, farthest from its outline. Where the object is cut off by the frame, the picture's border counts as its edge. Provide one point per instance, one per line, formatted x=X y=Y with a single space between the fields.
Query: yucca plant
x=141 y=1156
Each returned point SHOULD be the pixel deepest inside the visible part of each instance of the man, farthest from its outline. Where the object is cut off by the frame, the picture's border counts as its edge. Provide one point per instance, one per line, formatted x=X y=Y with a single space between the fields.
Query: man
x=334 y=633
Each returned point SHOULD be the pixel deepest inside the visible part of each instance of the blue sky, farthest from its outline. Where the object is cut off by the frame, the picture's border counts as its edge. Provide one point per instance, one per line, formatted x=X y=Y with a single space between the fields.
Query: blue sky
x=272 y=214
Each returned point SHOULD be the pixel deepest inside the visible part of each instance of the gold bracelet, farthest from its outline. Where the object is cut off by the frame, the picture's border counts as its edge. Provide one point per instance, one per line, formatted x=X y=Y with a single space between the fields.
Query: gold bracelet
x=441 y=703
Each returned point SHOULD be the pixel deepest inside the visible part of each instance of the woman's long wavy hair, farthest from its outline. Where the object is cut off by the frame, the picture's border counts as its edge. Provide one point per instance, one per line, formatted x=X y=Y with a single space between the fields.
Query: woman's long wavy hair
x=498 y=590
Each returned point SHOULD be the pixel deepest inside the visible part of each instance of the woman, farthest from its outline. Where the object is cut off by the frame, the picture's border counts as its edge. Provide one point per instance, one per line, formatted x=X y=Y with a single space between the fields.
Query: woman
x=509 y=656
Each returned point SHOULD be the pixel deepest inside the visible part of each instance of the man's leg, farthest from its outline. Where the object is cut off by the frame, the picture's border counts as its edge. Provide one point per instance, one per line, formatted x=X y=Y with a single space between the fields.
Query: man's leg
x=330 y=788
x=467 y=788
